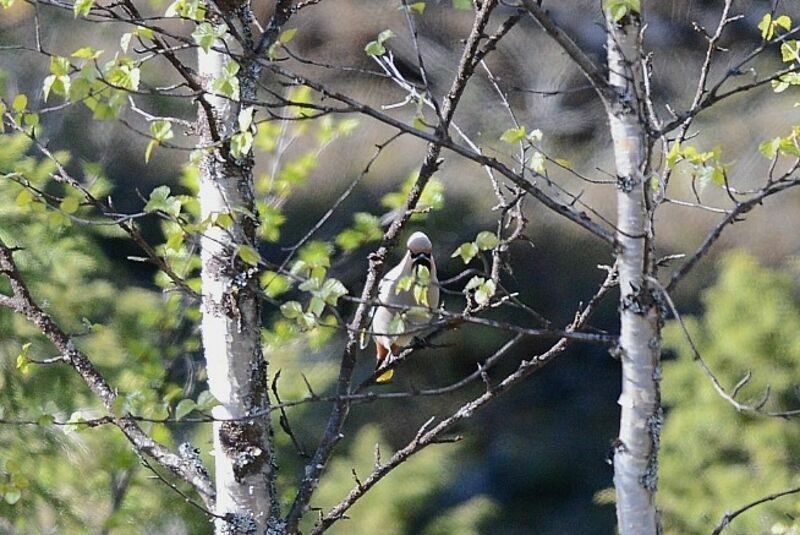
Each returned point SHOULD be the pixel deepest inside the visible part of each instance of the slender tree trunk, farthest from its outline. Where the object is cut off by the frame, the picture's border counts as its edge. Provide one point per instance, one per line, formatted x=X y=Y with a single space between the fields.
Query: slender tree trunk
x=635 y=458
x=231 y=326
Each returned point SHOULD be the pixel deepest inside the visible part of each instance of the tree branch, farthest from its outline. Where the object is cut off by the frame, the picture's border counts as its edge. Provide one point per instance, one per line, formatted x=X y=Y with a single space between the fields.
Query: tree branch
x=22 y=302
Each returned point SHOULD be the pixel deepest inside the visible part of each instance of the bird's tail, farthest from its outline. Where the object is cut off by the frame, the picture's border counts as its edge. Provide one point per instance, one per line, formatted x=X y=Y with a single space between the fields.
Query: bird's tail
x=385 y=377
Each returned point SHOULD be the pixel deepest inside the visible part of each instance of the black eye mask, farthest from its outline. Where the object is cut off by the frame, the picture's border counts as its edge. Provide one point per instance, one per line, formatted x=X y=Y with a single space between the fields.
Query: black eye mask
x=421 y=259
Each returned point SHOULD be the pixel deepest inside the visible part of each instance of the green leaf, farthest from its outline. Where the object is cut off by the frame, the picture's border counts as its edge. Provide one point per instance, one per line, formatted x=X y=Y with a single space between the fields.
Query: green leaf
x=124 y=77
x=535 y=136
x=60 y=85
x=206 y=401
x=316 y=306
x=404 y=284
x=466 y=251
x=789 y=147
x=20 y=103
x=75 y=417
x=87 y=52
x=484 y=289
x=784 y=22
x=423 y=275
x=485 y=292
x=5 y=4
x=766 y=27
x=473 y=283
x=421 y=295
x=69 y=205
x=184 y=407
x=789 y=51
x=245 y=118
x=241 y=144
x=275 y=284
x=316 y=253
x=81 y=8
x=161 y=130
x=537 y=163
x=416 y=7
x=486 y=240
x=59 y=66
x=249 y=255
x=674 y=154
x=291 y=310
x=23 y=363
x=12 y=495
x=376 y=48
x=396 y=325
x=206 y=35
x=45 y=419
x=148 y=151
x=24 y=198
x=513 y=135
x=287 y=36
x=332 y=290
x=160 y=200
x=190 y=9
x=770 y=147
x=385 y=35
x=462 y=4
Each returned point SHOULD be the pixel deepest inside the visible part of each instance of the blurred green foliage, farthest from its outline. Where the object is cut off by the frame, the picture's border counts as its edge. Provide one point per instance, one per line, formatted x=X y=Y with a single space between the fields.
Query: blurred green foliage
x=714 y=459
x=68 y=476
x=76 y=478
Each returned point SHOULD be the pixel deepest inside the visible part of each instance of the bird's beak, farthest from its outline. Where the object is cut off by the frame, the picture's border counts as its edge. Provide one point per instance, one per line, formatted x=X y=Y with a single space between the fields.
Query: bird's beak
x=421 y=259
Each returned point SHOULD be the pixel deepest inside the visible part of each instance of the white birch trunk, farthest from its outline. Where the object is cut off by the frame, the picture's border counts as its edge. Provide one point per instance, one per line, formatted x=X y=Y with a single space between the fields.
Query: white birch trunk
x=231 y=326
x=635 y=457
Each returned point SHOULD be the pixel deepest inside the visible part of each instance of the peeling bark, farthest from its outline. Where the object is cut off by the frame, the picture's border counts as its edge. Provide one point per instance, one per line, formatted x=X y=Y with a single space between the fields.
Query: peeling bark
x=231 y=322
x=635 y=456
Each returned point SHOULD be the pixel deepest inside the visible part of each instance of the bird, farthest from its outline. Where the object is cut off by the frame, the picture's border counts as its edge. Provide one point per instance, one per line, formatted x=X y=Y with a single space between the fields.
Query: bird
x=411 y=283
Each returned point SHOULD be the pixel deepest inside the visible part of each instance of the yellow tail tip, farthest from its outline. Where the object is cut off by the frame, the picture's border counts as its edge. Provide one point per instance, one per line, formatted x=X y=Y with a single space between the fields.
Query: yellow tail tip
x=385 y=377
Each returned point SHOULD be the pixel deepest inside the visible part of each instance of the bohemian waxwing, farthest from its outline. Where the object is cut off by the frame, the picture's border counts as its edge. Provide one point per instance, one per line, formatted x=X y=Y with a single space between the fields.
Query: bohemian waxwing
x=405 y=286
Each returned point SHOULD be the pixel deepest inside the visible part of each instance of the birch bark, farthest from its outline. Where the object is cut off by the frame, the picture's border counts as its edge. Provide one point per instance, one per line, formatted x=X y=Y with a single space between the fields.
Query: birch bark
x=635 y=457
x=231 y=325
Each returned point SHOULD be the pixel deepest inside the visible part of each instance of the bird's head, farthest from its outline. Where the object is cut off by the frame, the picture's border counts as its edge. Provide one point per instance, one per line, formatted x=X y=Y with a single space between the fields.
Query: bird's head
x=421 y=250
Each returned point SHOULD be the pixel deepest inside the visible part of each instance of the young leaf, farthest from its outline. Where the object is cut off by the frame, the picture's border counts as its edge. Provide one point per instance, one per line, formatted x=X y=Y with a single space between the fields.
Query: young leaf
x=184 y=407
x=249 y=255
x=537 y=163
x=376 y=48
x=769 y=148
x=206 y=34
x=160 y=200
x=485 y=292
x=396 y=325
x=784 y=22
x=69 y=205
x=486 y=240
x=81 y=8
x=20 y=103
x=416 y=7
x=206 y=401
x=421 y=295
x=766 y=27
x=404 y=284
x=87 y=52
x=513 y=135
x=466 y=251
x=287 y=36
x=291 y=310
x=275 y=284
